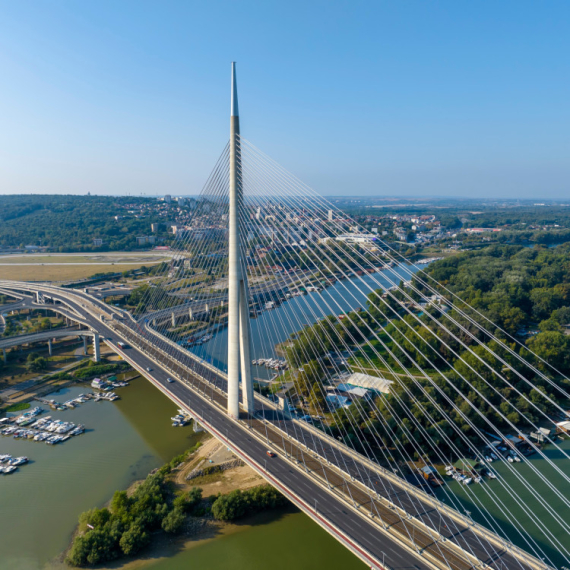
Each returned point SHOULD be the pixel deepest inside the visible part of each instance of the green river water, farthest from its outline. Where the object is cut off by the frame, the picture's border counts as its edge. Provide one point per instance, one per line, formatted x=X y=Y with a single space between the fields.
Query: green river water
x=40 y=503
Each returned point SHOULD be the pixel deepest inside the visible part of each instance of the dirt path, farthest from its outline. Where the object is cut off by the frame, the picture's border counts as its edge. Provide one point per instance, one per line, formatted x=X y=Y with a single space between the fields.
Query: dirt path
x=242 y=477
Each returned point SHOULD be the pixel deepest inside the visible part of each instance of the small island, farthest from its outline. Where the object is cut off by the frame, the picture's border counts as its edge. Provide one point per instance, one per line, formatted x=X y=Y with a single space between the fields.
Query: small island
x=204 y=488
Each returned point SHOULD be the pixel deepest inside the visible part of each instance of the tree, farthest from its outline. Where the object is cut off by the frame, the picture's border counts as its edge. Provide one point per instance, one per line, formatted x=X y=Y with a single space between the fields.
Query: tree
x=229 y=507
x=316 y=399
x=95 y=517
x=173 y=521
x=36 y=365
x=133 y=540
x=120 y=504
x=554 y=347
x=32 y=356
x=307 y=377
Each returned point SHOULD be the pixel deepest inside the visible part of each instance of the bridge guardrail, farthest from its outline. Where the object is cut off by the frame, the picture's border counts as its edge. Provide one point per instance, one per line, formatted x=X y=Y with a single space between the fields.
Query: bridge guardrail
x=320 y=434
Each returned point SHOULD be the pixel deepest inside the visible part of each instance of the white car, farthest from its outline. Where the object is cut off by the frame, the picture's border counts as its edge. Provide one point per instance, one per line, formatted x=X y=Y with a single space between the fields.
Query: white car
x=169 y=380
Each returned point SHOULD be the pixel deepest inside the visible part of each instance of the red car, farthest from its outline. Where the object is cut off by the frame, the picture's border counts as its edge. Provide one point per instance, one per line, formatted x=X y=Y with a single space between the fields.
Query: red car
x=270 y=453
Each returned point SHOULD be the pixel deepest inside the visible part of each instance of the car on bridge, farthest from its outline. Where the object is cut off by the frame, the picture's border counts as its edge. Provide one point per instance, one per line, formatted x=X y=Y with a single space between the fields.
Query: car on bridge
x=170 y=380
x=270 y=453
x=148 y=369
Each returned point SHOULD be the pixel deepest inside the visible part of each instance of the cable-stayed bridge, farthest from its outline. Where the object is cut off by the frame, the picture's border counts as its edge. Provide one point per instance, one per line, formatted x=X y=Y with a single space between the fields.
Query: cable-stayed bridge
x=269 y=270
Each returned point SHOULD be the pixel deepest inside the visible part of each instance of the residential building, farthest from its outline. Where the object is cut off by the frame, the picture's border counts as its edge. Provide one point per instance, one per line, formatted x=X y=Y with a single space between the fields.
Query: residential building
x=357 y=238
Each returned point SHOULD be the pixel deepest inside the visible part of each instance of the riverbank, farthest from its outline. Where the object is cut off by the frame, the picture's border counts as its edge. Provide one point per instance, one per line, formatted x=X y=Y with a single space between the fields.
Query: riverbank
x=124 y=441
x=168 y=506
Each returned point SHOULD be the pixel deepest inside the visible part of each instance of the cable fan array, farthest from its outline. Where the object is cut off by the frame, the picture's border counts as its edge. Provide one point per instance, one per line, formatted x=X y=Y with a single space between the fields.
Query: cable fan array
x=444 y=383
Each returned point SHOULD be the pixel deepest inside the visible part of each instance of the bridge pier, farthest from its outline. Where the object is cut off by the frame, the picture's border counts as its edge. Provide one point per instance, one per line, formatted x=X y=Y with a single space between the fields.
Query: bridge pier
x=4 y=355
x=173 y=319
x=190 y=313
x=85 y=345
x=96 y=348
x=50 y=347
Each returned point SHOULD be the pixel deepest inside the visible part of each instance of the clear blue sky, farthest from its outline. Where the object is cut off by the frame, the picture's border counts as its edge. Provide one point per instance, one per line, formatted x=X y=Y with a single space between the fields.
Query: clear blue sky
x=367 y=98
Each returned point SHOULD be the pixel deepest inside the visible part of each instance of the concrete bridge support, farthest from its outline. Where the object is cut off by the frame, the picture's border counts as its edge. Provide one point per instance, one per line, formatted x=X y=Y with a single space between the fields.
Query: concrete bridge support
x=239 y=363
x=50 y=347
x=4 y=355
x=96 y=348
x=173 y=319
x=85 y=345
x=190 y=313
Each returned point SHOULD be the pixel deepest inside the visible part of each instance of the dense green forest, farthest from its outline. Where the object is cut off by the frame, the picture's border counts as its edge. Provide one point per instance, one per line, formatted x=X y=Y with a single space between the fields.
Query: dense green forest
x=525 y=291
x=70 y=223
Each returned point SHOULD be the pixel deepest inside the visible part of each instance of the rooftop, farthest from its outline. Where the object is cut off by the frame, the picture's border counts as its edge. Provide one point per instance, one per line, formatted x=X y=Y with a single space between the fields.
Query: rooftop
x=371 y=382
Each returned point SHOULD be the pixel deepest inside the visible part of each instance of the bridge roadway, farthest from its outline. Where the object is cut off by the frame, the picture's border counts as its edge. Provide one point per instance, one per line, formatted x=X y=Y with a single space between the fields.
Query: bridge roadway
x=43 y=336
x=363 y=507
x=259 y=291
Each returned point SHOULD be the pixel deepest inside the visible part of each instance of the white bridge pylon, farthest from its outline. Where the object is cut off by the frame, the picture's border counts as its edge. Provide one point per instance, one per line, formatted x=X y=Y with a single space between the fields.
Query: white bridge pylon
x=239 y=334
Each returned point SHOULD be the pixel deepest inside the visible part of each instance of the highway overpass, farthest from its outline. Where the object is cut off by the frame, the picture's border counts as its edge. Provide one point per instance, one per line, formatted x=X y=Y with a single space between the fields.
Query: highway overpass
x=48 y=336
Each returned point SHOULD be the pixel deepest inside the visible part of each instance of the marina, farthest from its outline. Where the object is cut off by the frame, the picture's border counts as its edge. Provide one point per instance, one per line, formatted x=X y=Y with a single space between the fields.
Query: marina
x=273 y=363
x=126 y=439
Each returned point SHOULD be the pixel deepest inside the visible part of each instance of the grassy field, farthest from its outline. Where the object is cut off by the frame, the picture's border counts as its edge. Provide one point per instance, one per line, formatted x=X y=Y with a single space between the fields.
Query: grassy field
x=15 y=371
x=125 y=257
x=53 y=272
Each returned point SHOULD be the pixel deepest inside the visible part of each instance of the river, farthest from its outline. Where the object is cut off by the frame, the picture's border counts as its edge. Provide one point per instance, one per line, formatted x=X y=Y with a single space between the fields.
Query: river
x=473 y=497
x=275 y=326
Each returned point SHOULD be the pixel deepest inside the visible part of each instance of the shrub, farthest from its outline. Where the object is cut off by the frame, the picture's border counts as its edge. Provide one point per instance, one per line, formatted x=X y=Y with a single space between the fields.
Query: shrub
x=241 y=503
x=188 y=501
x=173 y=521
x=133 y=540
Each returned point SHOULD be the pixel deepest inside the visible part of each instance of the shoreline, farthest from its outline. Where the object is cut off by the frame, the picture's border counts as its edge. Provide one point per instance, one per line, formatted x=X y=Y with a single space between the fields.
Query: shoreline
x=166 y=546
x=197 y=529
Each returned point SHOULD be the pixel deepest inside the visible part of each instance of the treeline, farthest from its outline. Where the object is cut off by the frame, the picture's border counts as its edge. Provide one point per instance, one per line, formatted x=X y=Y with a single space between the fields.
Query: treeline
x=93 y=369
x=70 y=223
